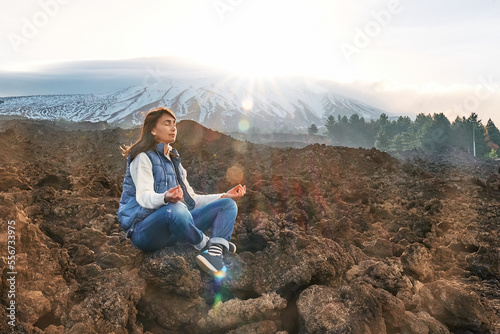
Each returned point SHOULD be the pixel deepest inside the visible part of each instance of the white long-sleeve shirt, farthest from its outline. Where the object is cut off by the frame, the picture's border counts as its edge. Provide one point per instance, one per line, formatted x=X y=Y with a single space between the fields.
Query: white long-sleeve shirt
x=141 y=170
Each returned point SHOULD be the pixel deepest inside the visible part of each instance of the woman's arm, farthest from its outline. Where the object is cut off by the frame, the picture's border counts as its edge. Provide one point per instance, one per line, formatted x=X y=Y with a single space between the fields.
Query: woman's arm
x=141 y=171
x=199 y=200
x=235 y=193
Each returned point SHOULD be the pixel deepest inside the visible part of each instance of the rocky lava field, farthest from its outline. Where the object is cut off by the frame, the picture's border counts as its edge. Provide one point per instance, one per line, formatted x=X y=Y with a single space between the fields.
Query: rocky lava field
x=330 y=239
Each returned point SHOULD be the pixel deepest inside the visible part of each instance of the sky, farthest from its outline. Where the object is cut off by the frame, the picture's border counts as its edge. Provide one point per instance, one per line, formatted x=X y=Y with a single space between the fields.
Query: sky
x=402 y=56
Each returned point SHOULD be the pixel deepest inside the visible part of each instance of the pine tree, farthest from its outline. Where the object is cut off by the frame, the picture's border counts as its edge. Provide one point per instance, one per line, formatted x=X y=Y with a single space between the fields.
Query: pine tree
x=313 y=129
x=421 y=124
x=408 y=139
x=381 y=140
x=383 y=120
x=459 y=133
x=492 y=138
x=342 y=130
x=370 y=133
x=330 y=127
x=356 y=128
x=493 y=132
x=403 y=124
x=397 y=143
x=437 y=132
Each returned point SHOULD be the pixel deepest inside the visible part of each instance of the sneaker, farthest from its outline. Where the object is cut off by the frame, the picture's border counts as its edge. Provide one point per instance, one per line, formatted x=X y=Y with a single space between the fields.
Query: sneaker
x=209 y=263
x=232 y=247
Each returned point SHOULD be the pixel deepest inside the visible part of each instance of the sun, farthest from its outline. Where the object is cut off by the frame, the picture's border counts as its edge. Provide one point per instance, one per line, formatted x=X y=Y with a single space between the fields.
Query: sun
x=263 y=40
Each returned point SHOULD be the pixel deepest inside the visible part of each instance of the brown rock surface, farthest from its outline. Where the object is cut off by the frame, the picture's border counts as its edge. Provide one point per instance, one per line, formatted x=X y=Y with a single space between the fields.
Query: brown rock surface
x=454 y=306
x=348 y=309
x=330 y=239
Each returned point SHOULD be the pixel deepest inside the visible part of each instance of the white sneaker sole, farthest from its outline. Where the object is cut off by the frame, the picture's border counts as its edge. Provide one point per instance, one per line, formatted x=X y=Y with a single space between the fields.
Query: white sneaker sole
x=206 y=265
x=233 y=246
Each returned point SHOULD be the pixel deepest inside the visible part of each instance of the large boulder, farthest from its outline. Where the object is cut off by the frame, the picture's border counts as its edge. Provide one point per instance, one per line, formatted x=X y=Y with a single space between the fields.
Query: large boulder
x=235 y=313
x=352 y=309
x=290 y=263
x=172 y=269
x=485 y=263
x=111 y=306
x=165 y=311
x=451 y=304
x=421 y=322
x=387 y=274
x=417 y=262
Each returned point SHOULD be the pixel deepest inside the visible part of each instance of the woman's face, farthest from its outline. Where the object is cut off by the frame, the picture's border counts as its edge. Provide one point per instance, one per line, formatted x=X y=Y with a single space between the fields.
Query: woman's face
x=165 y=129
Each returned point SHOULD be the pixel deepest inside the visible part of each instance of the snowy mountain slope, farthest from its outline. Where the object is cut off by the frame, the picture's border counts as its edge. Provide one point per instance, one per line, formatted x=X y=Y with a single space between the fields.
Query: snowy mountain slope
x=217 y=102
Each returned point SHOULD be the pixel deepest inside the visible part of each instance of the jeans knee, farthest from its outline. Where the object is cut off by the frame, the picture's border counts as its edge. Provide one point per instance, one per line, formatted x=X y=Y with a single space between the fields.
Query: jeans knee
x=178 y=207
x=178 y=211
x=229 y=204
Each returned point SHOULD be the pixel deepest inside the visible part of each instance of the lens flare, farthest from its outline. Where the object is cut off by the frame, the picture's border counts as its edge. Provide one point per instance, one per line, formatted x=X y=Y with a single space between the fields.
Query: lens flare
x=235 y=174
x=247 y=103
x=243 y=125
x=217 y=301
x=221 y=274
x=218 y=287
x=240 y=146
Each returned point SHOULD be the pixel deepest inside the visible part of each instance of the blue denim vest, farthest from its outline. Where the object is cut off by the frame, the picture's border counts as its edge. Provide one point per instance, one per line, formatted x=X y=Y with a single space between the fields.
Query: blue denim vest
x=166 y=173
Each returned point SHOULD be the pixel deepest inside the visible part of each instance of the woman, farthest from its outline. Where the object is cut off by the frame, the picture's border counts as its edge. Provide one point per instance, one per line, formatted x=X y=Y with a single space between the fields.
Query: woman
x=158 y=207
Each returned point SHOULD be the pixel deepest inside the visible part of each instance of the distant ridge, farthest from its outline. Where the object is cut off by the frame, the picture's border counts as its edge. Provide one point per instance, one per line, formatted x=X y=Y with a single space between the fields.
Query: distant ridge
x=217 y=102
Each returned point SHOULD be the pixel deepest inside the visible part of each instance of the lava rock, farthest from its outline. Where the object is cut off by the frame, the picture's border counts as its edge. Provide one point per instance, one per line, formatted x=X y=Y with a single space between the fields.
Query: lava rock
x=291 y=263
x=417 y=262
x=349 y=309
x=10 y=180
x=454 y=306
x=485 y=262
x=169 y=270
x=235 y=312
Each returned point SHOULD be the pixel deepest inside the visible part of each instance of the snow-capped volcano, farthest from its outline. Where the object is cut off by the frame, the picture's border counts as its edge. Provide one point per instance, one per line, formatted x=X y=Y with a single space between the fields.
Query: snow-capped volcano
x=221 y=103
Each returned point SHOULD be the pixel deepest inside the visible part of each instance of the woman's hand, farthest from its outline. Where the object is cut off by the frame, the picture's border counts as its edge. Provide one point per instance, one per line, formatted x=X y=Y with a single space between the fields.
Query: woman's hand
x=174 y=195
x=236 y=192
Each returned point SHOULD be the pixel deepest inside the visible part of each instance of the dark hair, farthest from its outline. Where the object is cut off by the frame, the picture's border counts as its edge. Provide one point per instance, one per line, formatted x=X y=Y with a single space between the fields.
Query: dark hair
x=147 y=141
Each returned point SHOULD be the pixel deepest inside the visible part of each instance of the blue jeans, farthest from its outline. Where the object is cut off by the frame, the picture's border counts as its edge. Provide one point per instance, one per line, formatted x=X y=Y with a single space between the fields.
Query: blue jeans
x=173 y=223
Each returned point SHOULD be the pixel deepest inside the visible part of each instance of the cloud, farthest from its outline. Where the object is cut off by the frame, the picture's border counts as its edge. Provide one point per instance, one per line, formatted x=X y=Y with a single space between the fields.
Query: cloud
x=453 y=100
x=95 y=77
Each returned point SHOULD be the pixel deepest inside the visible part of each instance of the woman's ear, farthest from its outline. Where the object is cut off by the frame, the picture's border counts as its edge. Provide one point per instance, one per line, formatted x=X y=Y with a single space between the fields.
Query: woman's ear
x=153 y=132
